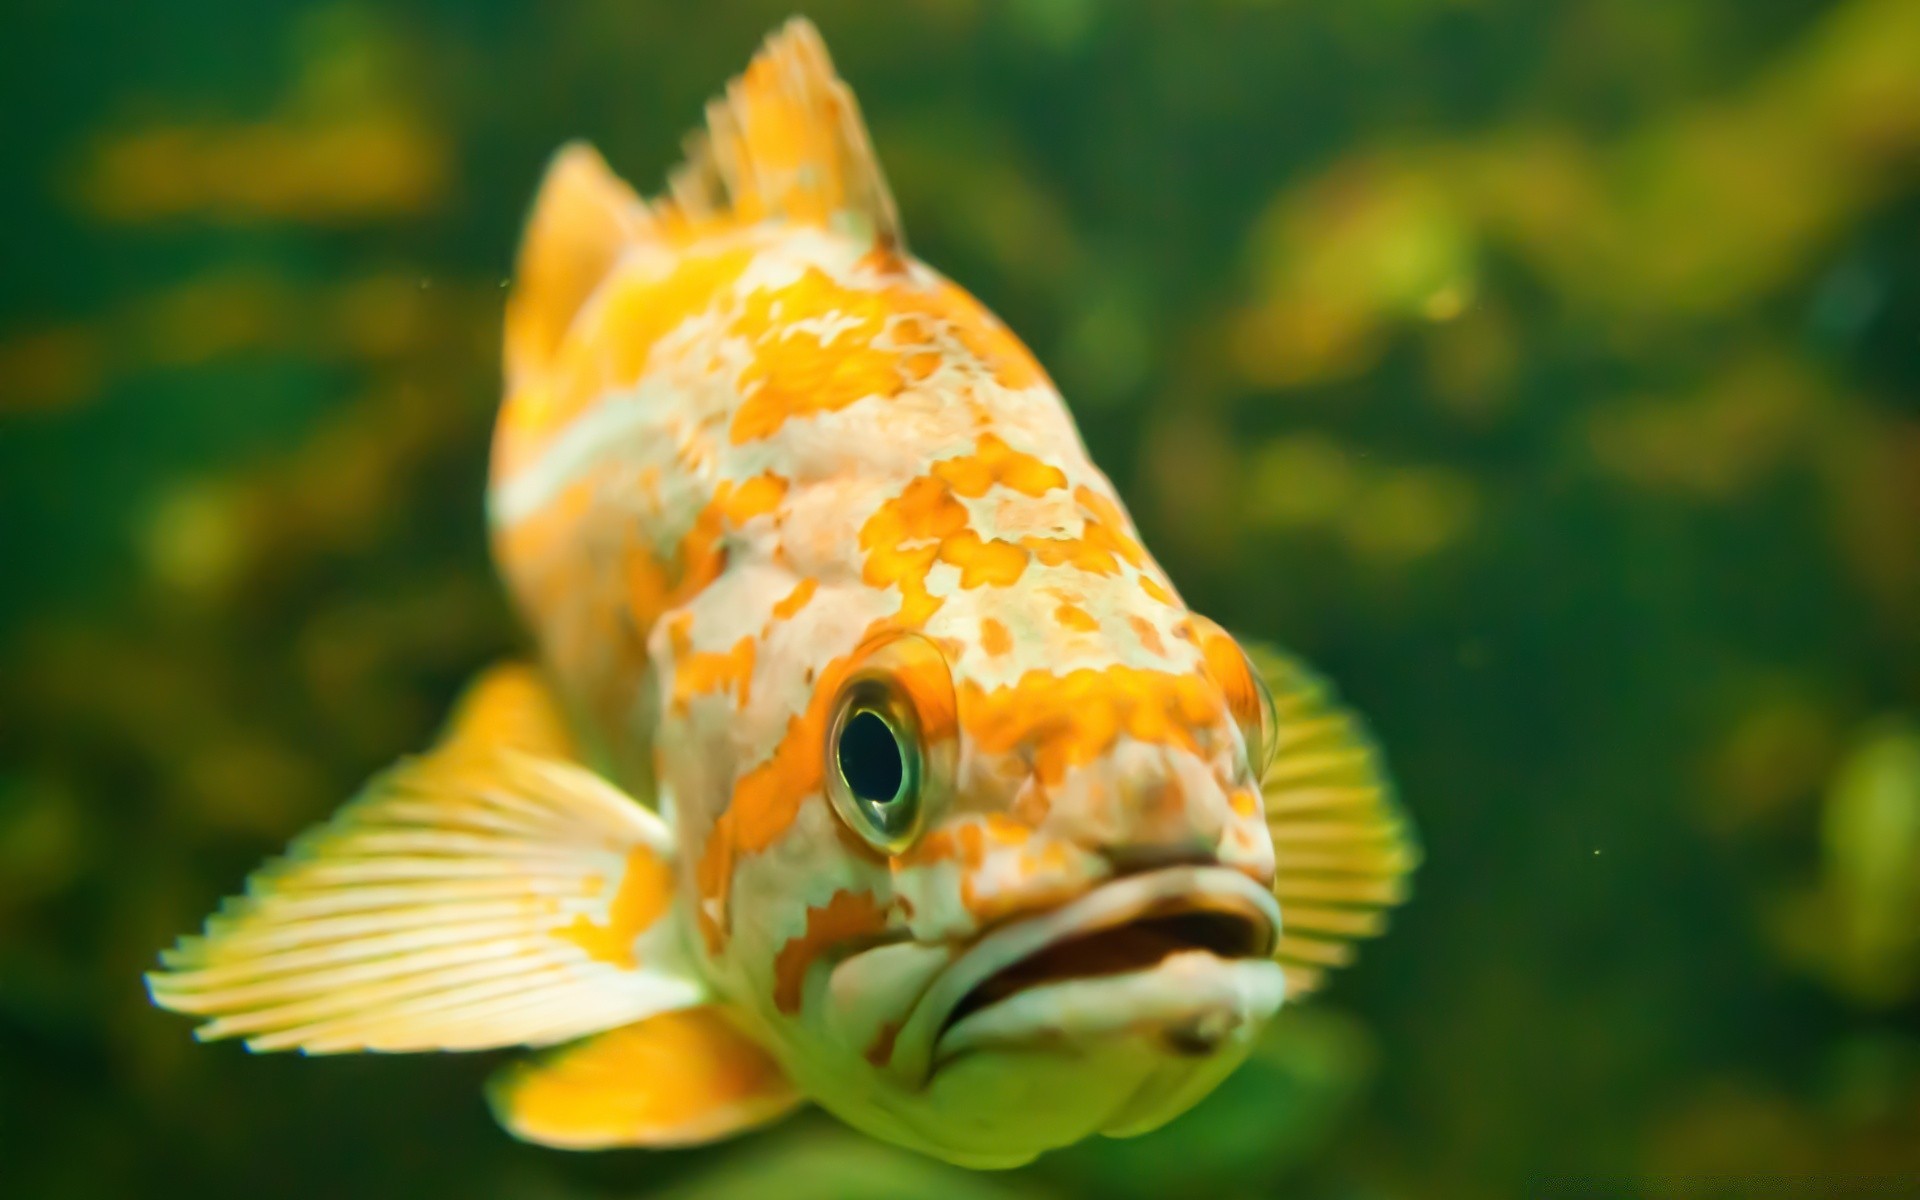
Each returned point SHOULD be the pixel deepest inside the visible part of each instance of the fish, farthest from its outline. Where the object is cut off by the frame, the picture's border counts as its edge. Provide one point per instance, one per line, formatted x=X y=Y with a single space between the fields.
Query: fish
x=864 y=757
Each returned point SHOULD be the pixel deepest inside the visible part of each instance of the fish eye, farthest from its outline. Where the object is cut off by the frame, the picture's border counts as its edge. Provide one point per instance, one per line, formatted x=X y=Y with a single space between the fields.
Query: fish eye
x=876 y=781
x=873 y=764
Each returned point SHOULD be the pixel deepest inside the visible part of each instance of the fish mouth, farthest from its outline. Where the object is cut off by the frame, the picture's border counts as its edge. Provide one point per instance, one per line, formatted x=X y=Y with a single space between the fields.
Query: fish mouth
x=1101 y=955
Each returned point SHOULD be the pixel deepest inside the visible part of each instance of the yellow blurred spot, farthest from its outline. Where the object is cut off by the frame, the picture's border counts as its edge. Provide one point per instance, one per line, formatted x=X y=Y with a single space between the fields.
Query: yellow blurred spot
x=1716 y=445
x=1778 y=751
x=1338 y=260
x=363 y=167
x=1732 y=1129
x=1446 y=302
x=194 y=540
x=1302 y=481
x=1411 y=514
x=1387 y=516
x=1870 y=837
x=344 y=144
x=213 y=316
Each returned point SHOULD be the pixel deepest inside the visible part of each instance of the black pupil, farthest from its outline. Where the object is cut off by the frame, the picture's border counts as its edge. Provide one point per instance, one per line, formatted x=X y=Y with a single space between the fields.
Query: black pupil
x=870 y=759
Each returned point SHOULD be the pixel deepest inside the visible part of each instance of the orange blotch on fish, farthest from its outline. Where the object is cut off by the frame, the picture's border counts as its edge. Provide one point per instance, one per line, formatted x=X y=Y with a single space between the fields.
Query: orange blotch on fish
x=1106 y=512
x=1103 y=543
x=1230 y=669
x=917 y=604
x=924 y=511
x=795 y=600
x=847 y=916
x=797 y=372
x=646 y=889
x=609 y=348
x=1154 y=590
x=983 y=563
x=995 y=462
x=647 y=585
x=1150 y=639
x=1245 y=802
x=707 y=672
x=756 y=497
x=766 y=800
x=994 y=637
x=1068 y=720
x=1072 y=616
x=989 y=342
x=1071 y=552
x=703 y=553
x=966 y=841
x=638 y=309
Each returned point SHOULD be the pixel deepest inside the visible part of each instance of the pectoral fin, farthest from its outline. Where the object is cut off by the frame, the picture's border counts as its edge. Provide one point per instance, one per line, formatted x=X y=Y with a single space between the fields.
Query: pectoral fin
x=1343 y=848
x=671 y=1080
x=488 y=894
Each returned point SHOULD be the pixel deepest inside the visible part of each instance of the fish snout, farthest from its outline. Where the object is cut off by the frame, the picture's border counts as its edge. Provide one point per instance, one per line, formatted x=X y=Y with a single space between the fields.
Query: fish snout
x=1160 y=811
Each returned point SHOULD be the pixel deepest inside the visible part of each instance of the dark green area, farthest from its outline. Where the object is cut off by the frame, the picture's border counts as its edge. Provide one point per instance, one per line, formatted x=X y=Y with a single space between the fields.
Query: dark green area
x=1547 y=374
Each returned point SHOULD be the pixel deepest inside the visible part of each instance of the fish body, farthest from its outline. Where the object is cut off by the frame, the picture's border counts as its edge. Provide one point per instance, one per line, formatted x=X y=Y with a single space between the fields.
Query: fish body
x=871 y=759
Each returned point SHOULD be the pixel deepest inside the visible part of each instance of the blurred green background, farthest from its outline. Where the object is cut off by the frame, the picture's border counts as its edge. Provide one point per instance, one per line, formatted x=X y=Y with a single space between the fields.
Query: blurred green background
x=1547 y=373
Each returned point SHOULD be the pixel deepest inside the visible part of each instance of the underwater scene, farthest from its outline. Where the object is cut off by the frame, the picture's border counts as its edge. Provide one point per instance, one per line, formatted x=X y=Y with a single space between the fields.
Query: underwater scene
x=1545 y=373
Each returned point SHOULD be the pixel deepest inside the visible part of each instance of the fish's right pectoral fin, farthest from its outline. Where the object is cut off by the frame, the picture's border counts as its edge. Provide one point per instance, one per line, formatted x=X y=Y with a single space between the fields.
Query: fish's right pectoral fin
x=491 y=893
x=677 y=1079
x=1343 y=847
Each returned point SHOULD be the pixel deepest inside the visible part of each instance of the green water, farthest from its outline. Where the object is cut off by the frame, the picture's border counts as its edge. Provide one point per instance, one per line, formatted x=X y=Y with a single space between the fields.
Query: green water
x=1546 y=373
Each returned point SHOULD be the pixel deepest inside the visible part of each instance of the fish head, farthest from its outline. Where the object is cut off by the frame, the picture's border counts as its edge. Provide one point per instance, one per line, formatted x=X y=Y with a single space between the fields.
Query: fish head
x=1033 y=900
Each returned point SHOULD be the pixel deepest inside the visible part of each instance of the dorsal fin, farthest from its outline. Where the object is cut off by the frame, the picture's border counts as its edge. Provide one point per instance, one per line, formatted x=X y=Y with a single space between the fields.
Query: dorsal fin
x=785 y=140
x=583 y=218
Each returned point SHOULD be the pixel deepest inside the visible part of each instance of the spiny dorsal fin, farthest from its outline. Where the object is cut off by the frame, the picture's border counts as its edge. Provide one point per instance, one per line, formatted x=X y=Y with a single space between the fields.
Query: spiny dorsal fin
x=1343 y=848
x=785 y=141
x=583 y=218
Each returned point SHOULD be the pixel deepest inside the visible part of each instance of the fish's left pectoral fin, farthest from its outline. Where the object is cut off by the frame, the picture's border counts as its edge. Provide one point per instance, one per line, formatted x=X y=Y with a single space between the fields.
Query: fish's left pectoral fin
x=479 y=896
x=676 y=1079
x=1343 y=847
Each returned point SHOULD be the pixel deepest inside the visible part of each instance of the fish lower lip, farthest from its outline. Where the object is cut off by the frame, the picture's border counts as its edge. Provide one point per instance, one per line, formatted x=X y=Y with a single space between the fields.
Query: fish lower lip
x=1123 y=927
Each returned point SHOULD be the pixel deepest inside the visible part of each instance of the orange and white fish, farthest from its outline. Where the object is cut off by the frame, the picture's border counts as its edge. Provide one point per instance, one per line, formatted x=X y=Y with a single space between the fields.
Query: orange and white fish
x=870 y=760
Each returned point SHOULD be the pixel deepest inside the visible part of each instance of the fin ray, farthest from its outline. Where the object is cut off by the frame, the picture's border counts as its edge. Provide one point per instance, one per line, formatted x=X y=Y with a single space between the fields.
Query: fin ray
x=1343 y=849
x=397 y=926
x=785 y=140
